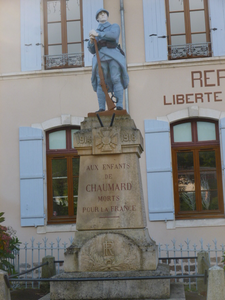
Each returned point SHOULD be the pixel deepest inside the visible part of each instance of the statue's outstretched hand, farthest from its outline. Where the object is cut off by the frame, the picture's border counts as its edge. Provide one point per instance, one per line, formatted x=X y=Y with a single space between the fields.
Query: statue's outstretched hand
x=92 y=35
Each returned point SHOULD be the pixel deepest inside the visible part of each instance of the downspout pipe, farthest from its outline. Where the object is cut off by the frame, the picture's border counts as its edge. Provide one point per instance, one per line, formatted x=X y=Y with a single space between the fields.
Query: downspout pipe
x=124 y=48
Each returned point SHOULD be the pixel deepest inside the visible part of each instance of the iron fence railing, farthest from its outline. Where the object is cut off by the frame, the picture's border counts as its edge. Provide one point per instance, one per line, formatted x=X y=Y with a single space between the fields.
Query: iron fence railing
x=181 y=257
x=30 y=255
x=184 y=253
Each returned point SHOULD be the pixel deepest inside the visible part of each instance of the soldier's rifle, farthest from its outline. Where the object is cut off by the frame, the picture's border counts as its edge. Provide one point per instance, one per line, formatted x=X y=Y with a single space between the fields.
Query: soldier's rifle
x=109 y=101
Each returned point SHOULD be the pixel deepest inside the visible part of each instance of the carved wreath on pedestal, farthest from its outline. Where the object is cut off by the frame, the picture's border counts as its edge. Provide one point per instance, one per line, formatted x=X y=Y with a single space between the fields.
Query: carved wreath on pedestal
x=109 y=252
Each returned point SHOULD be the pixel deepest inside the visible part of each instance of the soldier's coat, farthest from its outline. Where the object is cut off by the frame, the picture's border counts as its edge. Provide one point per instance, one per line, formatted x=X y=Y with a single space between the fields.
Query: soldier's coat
x=108 y=32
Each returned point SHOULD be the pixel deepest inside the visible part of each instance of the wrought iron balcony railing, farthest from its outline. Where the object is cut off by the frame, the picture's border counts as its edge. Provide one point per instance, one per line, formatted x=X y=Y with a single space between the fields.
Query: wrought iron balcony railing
x=189 y=50
x=68 y=60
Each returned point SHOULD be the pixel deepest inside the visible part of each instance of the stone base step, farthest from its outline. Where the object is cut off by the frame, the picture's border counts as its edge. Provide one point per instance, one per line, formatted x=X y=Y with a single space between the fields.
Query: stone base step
x=122 y=285
x=176 y=293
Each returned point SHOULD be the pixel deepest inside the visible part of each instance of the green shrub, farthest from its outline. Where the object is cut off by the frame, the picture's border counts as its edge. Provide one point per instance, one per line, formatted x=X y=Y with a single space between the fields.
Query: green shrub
x=8 y=243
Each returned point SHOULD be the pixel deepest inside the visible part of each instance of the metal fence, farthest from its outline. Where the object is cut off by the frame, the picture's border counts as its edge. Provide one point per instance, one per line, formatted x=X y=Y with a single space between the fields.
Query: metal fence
x=184 y=264
x=30 y=255
x=181 y=257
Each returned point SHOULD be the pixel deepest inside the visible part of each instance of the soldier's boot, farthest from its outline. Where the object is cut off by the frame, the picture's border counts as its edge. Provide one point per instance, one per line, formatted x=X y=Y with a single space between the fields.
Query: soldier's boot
x=119 y=95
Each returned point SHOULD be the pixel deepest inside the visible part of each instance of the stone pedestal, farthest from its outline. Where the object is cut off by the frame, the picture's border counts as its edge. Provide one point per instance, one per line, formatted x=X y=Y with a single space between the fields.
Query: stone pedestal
x=115 y=289
x=112 y=239
x=114 y=250
x=110 y=188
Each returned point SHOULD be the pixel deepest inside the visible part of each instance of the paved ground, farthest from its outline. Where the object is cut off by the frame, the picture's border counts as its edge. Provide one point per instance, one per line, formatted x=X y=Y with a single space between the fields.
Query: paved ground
x=35 y=294
x=27 y=294
x=194 y=296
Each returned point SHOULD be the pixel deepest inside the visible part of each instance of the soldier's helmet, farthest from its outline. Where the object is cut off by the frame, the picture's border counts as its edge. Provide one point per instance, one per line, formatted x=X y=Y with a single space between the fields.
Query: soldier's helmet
x=100 y=10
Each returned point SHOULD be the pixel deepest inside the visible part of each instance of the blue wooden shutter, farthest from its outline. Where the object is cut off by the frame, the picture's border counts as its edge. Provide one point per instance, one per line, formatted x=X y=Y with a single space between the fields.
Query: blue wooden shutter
x=30 y=35
x=155 y=30
x=217 y=26
x=89 y=22
x=222 y=131
x=31 y=176
x=159 y=170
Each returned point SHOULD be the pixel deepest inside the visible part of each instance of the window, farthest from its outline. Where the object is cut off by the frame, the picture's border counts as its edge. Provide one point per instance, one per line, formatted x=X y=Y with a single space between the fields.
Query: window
x=196 y=169
x=63 y=33
x=188 y=28
x=62 y=176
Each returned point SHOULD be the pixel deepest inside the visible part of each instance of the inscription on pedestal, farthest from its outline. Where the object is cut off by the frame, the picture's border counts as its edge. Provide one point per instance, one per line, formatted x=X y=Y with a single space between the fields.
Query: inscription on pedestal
x=110 y=194
x=83 y=139
x=128 y=136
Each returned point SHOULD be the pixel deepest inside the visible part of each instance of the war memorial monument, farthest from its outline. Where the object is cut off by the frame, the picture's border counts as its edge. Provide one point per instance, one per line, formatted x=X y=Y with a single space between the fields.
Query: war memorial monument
x=112 y=248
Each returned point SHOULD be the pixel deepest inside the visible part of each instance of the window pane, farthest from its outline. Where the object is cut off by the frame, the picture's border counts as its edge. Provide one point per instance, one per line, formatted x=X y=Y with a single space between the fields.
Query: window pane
x=196 y=4
x=74 y=48
x=178 y=40
x=182 y=133
x=207 y=160
x=72 y=133
x=208 y=181
x=75 y=194
x=59 y=187
x=209 y=200
x=75 y=205
x=177 y=23
x=76 y=164
x=175 y=5
x=75 y=186
x=185 y=161
x=55 y=50
x=72 y=9
x=73 y=32
x=206 y=131
x=187 y=201
x=60 y=206
x=53 y=11
x=54 y=33
x=208 y=177
x=186 y=182
x=59 y=168
x=57 y=140
x=197 y=21
x=198 y=38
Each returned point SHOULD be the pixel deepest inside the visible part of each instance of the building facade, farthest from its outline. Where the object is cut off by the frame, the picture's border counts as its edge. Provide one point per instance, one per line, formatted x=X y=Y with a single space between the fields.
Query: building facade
x=175 y=52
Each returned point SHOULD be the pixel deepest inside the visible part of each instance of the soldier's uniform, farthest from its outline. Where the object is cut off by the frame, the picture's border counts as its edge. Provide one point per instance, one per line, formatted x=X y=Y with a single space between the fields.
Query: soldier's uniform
x=112 y=61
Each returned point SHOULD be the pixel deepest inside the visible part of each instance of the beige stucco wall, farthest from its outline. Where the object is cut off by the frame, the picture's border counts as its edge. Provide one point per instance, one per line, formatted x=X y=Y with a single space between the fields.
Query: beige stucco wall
x=10 y=36
x=36 y=97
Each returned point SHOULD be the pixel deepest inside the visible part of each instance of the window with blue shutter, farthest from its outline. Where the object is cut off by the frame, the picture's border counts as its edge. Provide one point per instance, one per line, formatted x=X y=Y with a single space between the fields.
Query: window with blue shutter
x=62 y=175
x=63 y=33
x=197 y=169
x=188 y=29
x=159 y=170
x=66 y=26
x=30 y=35
x=177 y=29
x=31 y=176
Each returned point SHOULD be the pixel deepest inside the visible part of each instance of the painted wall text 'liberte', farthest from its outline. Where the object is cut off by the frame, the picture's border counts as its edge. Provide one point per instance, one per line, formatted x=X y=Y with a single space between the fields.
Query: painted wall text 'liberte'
x=200 y=79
